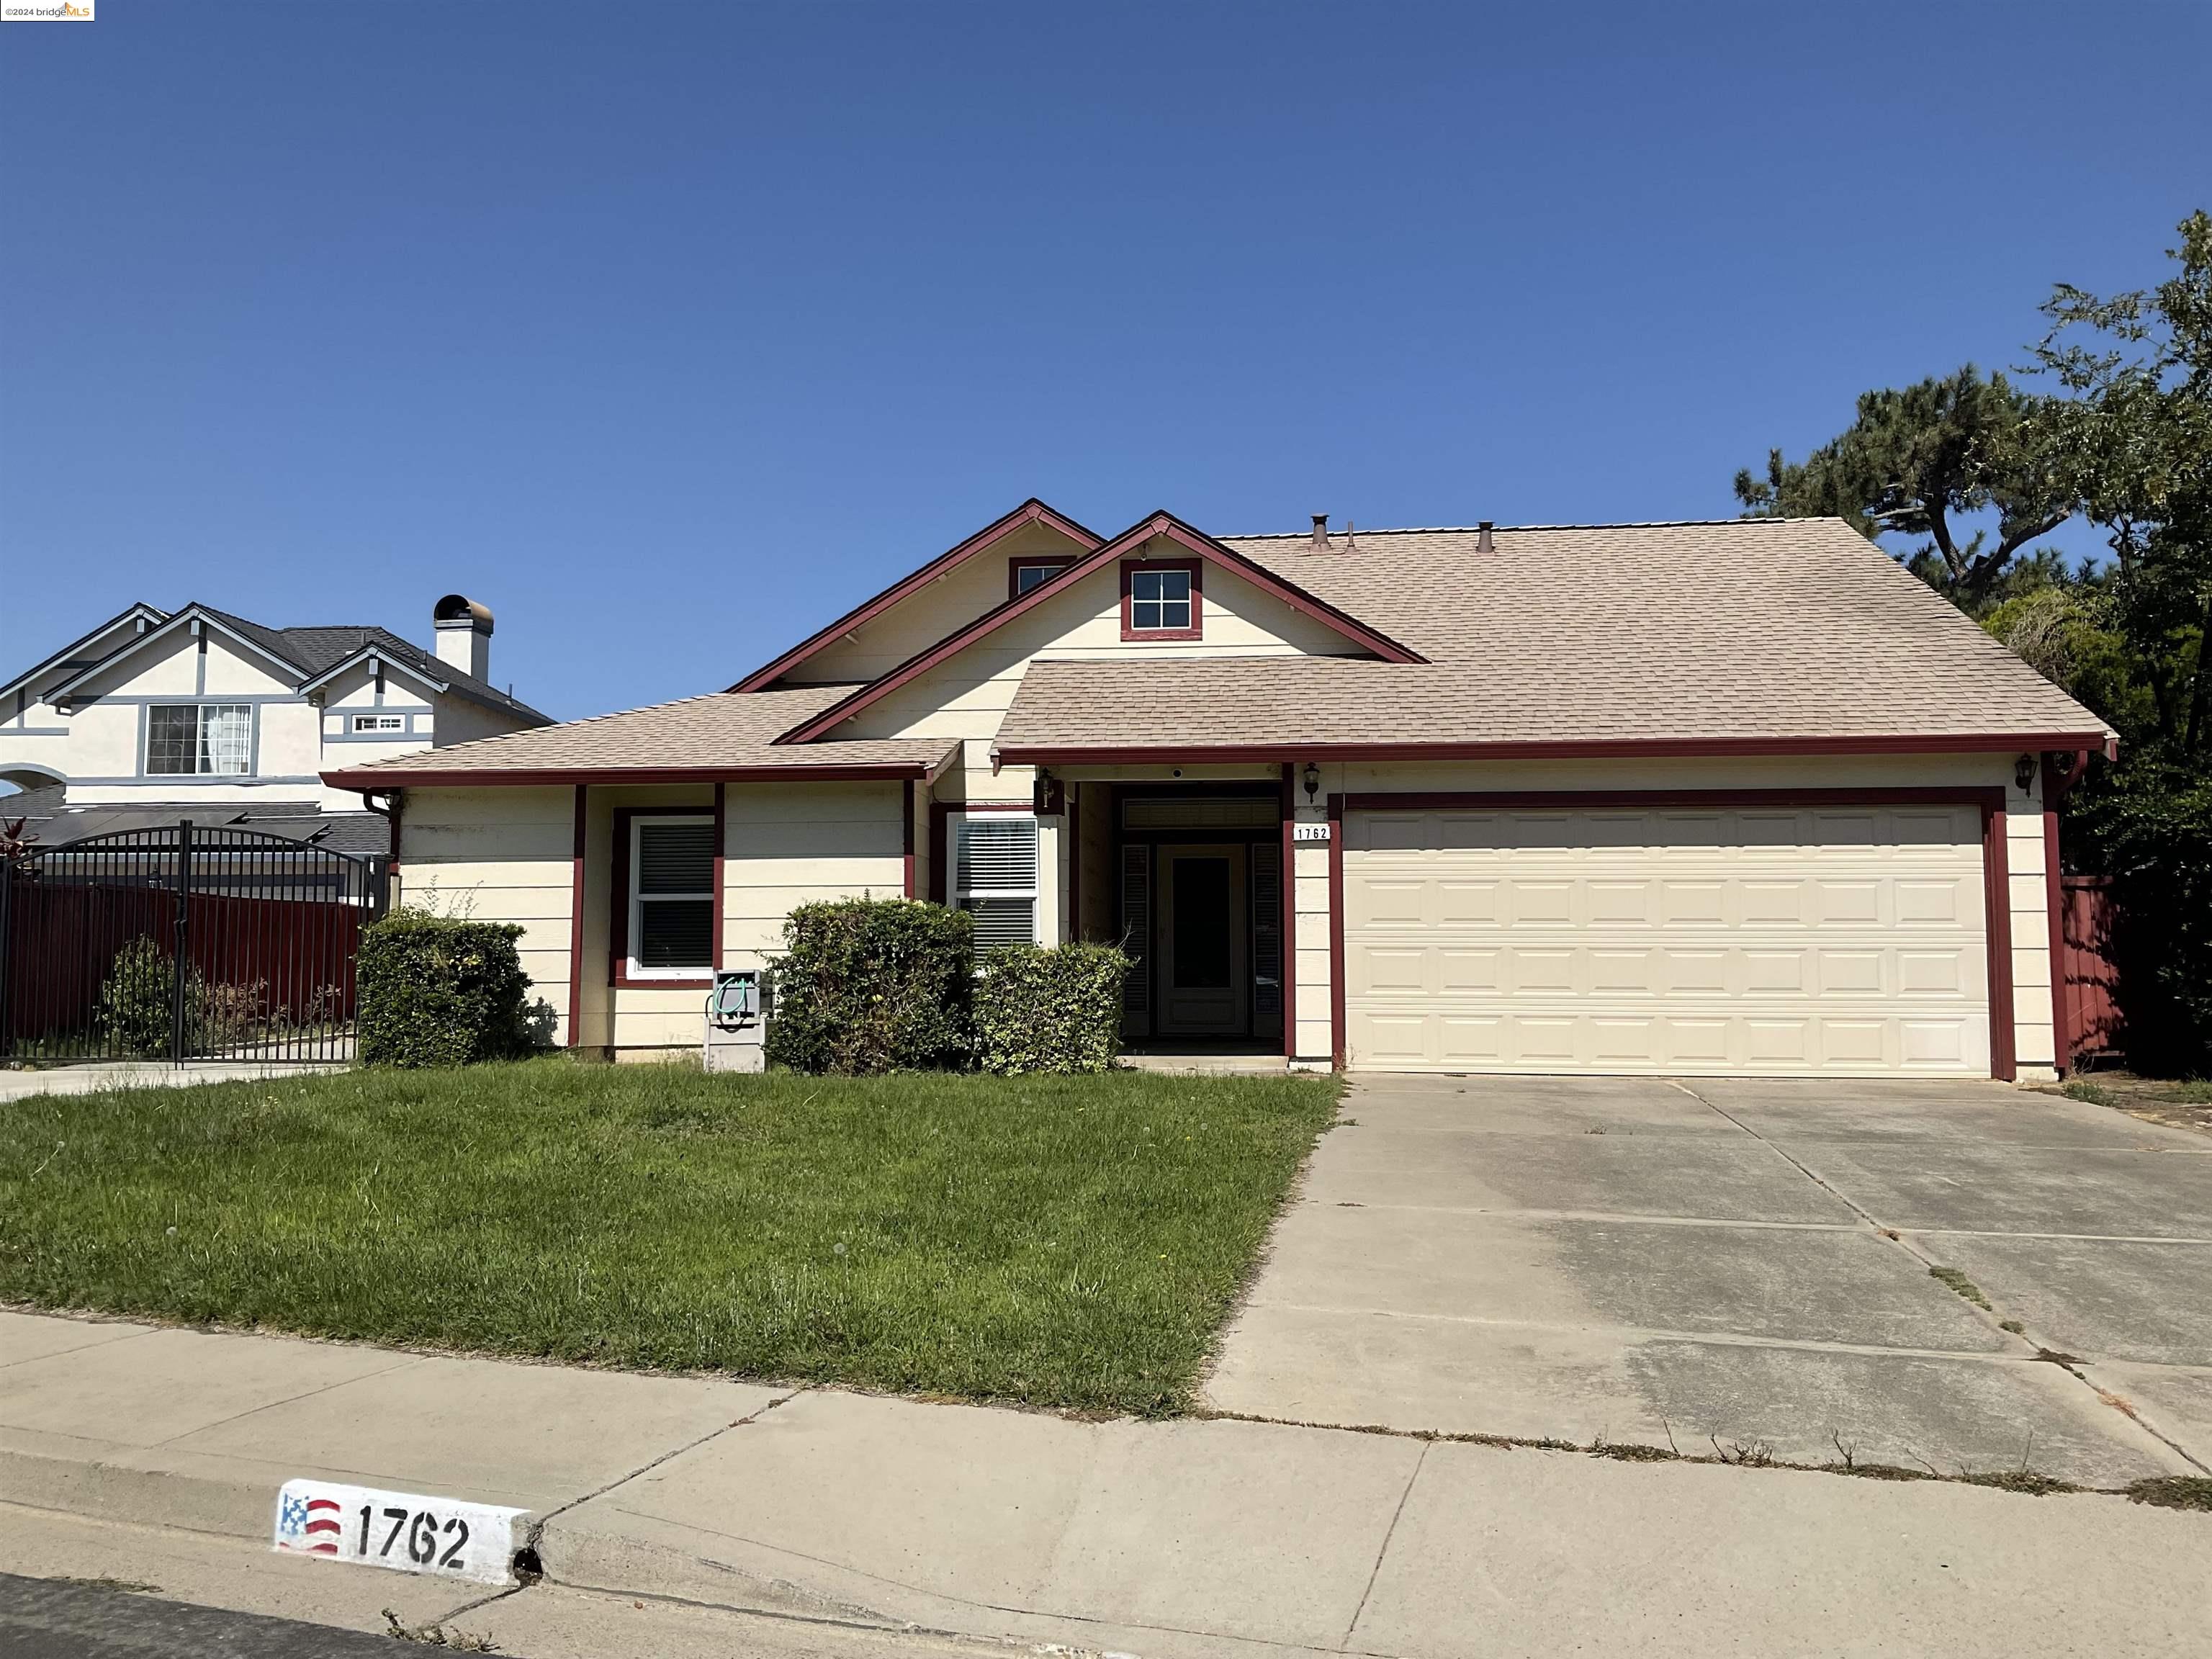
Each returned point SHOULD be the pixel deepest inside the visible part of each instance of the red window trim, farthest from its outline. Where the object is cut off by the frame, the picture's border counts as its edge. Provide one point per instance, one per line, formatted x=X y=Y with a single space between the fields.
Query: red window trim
x=1197 y=628
x=1018 y=562
x=1988 y=801
x=618 y=902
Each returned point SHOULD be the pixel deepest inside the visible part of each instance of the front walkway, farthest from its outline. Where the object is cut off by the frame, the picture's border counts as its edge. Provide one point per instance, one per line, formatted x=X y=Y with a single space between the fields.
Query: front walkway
x=1746 y=1265
x=95 y=1075
x=1184 y=1538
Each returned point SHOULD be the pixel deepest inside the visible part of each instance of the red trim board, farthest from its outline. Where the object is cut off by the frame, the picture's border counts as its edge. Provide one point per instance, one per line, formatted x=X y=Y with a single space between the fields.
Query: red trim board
x=1194 y=754
x=1159 y=524
x=576 y=922
x=1290 y=922
x=618 y=902
x=1336 y=1045
x=906 y=837
x=722 y=886
x=1031 y=511
x=1990 y=799
x=457 y=778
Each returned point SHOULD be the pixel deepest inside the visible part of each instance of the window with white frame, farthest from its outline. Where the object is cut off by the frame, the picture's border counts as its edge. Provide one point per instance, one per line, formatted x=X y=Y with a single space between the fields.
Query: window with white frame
x=671 y=898
x=380 y=722
x=193 y=739
x=994 y=875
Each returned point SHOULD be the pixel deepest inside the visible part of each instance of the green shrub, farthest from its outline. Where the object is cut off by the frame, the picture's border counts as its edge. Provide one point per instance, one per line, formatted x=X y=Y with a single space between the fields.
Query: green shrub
x=873 y=985
x=440 y=991
x=137 y=1001
x=1056 y=1009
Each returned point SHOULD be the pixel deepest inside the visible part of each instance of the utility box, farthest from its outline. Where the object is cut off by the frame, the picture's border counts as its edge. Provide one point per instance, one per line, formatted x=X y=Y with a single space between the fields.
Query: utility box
x=737 y=1013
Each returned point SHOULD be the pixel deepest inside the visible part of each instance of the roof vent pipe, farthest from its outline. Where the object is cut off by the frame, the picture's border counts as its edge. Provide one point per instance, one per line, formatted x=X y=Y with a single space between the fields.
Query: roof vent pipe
x=1348 y=546
x=1483 y=544
x=1321 y=533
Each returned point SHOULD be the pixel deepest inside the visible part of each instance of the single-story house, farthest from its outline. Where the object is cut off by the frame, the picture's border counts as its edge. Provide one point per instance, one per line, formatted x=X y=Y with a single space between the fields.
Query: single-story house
x=1689 y=798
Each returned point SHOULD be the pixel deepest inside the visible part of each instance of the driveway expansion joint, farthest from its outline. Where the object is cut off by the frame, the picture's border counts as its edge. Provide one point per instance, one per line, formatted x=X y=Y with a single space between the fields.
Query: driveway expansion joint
x=2013 y=1328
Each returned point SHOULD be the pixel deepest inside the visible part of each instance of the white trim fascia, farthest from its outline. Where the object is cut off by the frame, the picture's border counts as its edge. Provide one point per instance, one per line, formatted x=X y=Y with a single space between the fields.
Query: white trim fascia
x=140 y=609
x=195 y=615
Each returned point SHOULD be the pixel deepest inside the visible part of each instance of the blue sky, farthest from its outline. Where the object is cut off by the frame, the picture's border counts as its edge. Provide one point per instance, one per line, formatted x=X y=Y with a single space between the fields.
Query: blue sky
x=671 y=331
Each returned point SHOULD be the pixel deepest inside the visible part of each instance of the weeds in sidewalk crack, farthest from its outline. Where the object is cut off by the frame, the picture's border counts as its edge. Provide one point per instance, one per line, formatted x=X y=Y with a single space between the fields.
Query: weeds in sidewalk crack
x=2174 y=1492
x=1963 y=1285
x=437 y=1636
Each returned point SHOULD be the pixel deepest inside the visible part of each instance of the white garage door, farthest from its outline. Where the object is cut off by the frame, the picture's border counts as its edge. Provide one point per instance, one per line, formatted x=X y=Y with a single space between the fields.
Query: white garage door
x=1790 y=941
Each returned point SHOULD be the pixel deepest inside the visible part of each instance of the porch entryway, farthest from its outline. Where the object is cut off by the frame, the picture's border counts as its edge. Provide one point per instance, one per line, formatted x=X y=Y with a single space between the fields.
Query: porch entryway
x=1198 y=907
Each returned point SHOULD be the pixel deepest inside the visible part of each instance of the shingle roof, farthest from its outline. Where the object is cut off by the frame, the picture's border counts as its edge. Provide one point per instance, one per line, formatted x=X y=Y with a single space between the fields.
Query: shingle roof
x=723 y=732
x=53 y=823
x=1739 y=631
x=317 y=649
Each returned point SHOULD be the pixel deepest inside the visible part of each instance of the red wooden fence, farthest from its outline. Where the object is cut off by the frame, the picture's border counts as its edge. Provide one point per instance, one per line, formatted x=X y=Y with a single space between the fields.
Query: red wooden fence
x=2088 y=980
x=298 y=955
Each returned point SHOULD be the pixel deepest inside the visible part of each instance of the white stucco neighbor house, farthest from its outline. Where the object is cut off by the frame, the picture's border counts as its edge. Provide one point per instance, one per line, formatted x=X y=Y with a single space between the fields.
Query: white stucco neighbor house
x=156 y=716
x=1734 y=797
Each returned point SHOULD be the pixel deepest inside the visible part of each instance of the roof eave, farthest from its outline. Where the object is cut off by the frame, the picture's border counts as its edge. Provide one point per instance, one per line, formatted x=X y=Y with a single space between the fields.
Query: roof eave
x=190 y=613
x=1032 y=511
x=1162 y=523
x=1051 y=754
x=33 y=672
x=395 y=776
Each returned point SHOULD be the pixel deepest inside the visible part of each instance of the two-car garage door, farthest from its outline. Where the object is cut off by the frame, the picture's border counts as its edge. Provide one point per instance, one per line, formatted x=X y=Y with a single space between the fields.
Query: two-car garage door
x=1785 y=940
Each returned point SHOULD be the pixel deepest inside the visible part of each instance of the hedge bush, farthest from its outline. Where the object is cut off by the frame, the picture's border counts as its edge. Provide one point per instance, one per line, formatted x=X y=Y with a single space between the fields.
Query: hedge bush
x=873 y=985
x=137 y=1001
x=1050 y=1010
x=440 y=991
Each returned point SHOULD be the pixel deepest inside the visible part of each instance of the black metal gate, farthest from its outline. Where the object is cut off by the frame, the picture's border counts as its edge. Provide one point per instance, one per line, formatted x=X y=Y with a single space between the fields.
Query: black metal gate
x=182 y=943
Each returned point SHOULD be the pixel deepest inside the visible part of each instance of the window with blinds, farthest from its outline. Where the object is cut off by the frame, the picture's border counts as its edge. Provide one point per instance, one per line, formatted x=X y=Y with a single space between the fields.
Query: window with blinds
x=672 y=928
x=994 y=875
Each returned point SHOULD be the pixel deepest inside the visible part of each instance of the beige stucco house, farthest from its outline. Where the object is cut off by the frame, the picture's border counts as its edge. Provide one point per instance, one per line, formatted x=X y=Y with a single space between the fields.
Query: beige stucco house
x=1735 y=797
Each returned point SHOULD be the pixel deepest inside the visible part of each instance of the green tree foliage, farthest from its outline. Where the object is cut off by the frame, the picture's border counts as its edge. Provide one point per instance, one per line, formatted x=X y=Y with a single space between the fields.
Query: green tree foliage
x=1915 y=461
x=2124 y=441
x=2135 y=436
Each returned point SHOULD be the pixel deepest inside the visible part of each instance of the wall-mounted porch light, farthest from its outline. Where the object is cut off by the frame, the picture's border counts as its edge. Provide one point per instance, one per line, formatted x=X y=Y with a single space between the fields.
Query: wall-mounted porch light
x=1312 y=780
x=2023 y=772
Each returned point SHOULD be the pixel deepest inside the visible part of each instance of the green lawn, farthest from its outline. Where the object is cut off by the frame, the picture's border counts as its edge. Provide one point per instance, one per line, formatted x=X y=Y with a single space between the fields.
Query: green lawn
x=1066 y=1241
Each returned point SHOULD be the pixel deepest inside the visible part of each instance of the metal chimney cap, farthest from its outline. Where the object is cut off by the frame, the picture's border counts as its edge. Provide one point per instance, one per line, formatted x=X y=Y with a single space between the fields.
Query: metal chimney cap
x=459 y=610
x=1483 y=541
x=1321 y=530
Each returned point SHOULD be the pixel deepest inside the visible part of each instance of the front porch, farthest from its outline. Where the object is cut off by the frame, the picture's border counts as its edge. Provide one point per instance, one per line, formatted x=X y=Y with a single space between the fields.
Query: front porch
x=1184 y=874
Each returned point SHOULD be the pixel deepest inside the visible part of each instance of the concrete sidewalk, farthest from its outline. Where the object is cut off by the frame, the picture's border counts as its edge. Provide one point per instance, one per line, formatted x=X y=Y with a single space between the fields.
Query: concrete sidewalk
x=1189 y=1537
x=95 y=1075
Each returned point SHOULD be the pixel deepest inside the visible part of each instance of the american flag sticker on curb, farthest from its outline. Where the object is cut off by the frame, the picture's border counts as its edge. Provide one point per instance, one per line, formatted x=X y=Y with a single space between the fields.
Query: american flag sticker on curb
x=399 y=1529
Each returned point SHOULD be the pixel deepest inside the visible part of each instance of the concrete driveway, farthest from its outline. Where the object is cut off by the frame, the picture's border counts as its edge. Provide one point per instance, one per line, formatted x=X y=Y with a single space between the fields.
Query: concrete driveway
x=1746 y=1263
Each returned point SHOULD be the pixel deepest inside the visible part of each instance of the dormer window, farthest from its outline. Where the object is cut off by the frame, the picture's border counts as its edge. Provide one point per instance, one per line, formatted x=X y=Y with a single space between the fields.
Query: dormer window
x=1161 y=600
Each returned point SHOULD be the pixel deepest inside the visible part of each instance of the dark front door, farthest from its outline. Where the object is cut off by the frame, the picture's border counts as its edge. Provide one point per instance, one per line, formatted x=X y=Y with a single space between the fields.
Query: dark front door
x=1204 y=982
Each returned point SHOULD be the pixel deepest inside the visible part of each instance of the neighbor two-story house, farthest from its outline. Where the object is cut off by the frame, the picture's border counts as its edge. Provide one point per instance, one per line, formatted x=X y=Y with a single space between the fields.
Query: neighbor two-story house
x=1733 y=797
x=155 y=716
